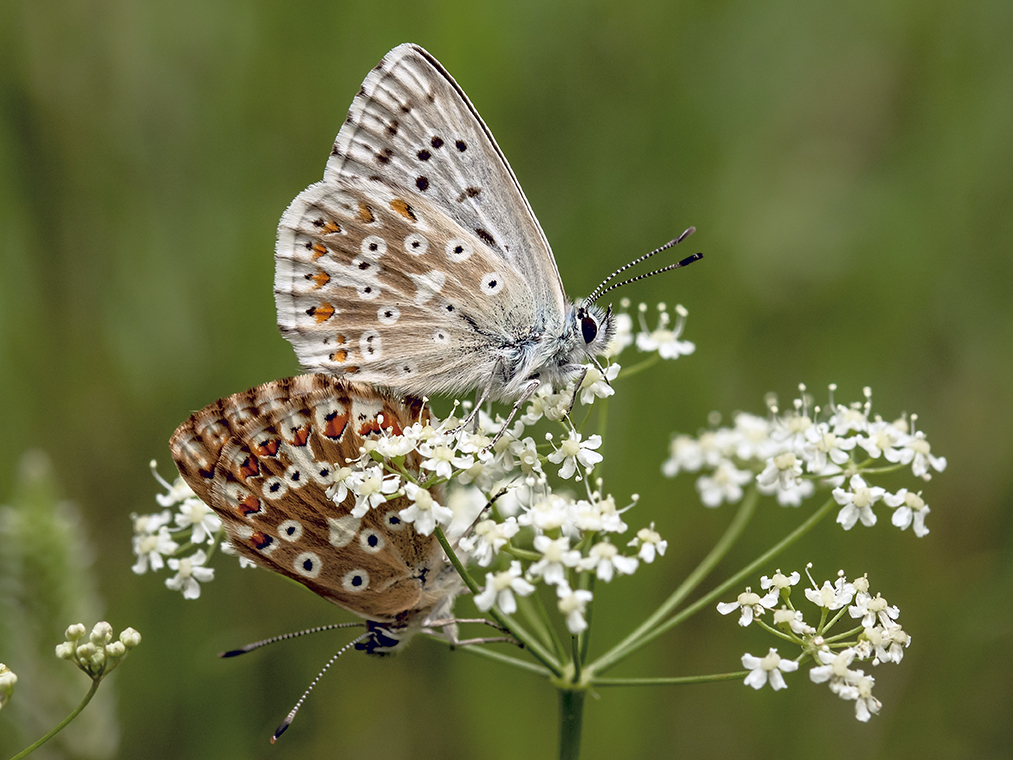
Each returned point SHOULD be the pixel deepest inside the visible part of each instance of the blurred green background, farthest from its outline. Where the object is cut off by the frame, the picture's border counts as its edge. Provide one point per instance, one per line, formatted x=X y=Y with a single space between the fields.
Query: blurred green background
x=849 y=167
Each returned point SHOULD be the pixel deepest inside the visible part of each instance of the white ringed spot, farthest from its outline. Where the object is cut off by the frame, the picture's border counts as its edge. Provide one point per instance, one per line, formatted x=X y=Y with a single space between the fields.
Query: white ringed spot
x=367 y=292
x=491 y=284
x=371 y=541
x=459 y=249
x=373 y=246
x=415 y=244
x=294 y=477
x=393 y=521
x=290 y=530
x=440 y=337
x=355 y=580
x=307 y=564
x=322 y=474
x=275 y=488
x=388 y=315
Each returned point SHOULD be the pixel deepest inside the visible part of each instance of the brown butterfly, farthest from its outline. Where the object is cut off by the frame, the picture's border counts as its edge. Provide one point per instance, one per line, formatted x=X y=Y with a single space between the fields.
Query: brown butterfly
x=265 y=461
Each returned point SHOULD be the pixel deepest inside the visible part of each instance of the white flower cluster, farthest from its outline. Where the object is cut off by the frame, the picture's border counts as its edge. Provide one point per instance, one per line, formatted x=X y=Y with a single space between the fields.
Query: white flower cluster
x=876 y=638
x=156 y=544
x=788 y=455
x=510 y=509
x=97 y=655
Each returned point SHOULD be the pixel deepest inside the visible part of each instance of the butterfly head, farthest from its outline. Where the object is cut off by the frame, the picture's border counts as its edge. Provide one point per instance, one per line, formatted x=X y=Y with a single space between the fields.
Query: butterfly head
x=595 y=327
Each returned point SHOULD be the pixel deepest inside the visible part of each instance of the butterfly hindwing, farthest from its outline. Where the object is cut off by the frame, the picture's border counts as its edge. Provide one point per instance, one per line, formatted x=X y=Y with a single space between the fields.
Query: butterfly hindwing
x=264 y=461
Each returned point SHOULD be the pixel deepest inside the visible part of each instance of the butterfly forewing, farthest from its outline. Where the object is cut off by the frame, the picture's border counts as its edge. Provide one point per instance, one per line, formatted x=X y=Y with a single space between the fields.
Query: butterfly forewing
x=413 y=125
x=265 y=460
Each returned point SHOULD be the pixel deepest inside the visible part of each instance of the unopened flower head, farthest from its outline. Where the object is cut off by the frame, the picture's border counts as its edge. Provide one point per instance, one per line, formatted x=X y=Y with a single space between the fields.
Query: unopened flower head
x=97 y=653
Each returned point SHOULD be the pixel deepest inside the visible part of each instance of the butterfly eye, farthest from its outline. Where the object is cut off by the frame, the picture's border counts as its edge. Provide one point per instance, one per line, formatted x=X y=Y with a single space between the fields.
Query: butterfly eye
x=589 y=328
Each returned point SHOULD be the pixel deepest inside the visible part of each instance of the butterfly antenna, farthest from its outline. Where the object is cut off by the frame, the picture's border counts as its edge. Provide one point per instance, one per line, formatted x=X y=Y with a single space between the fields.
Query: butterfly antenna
x=602 y=290
x=284 y=636
x=291 y=716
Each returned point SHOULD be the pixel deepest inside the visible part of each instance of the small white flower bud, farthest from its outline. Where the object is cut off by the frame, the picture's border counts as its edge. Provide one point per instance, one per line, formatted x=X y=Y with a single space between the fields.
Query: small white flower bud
x=102 y=633
x=75 y=632
x=130 y=638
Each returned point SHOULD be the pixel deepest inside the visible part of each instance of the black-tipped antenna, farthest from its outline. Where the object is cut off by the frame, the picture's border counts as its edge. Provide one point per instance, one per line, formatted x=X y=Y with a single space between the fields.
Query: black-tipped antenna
x=601 y=290
x=670 y=267
x=291 y=716
x=284 y=636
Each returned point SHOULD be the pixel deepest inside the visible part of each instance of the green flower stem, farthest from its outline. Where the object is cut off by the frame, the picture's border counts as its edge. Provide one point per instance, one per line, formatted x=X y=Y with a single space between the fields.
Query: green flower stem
x=636 y=369
x=63 y=724
x=648 y=629
x=838 y=616
x=844 y=635
x=649 y=633
x=550 y=630
x=517 y=631
x=585 y=637
x=527 y=554
x=789 y=637
x=670 y=681
x=603 y=414
x=577 y=664
x=571 y=721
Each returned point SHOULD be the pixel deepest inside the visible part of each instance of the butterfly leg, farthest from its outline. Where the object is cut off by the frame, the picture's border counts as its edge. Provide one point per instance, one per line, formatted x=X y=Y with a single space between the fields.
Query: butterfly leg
x=576 y=388
x=526 y=393
x=478 y=517
x=480 y=396
x=489 y=640
x=450 y=632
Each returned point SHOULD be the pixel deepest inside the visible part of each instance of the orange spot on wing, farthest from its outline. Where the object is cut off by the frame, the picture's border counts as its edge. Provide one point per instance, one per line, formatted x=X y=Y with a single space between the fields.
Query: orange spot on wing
x=331 y=227
x=341 y=339
x=335 y=425
x=248 y=506
x=249 y=467
x=390 y=423
x=403 y=209
x=351 y=370
x=268 y=448
x=369 y=427
x=319 y=250
x=260 y=541
x=300 y=435
x=366 y=213
x=339 y=356
x=321 y=313
x=321 y=278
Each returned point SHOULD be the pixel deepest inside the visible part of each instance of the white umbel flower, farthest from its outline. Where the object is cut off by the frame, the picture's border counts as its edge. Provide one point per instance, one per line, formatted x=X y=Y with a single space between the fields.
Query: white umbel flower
x=500 y=589
x=768 y=669
x=573 y=451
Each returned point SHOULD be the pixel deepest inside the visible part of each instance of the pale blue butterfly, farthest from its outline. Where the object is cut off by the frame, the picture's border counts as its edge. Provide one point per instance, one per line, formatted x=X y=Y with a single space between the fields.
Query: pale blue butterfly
x=417 y=263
